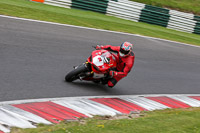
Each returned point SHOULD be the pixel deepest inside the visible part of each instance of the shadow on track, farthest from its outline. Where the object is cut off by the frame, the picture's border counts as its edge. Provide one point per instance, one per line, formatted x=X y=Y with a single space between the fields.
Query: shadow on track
x=90 y=86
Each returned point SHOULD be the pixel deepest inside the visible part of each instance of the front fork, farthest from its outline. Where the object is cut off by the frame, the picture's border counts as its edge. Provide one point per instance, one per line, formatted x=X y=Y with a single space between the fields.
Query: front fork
x=90 y=72
x=87 y=73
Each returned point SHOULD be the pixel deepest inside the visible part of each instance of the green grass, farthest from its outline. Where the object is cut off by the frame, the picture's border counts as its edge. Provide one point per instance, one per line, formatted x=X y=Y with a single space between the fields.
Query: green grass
x=190 y=6
x=38 y=11
x=164 y=121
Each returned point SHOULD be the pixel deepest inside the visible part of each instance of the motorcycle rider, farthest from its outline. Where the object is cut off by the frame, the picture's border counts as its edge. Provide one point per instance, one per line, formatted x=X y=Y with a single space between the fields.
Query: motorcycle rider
x=125 y=61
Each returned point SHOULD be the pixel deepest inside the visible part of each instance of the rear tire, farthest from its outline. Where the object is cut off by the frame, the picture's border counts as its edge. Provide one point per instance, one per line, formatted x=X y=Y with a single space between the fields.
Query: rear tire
x=74 y=74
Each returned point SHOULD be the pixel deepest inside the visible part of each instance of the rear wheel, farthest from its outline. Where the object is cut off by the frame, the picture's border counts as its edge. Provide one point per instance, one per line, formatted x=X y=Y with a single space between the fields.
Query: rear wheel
x=74 y=74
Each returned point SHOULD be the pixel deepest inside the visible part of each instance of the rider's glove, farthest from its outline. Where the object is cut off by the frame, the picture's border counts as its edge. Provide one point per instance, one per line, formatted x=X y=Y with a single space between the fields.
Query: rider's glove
x=99 y=47
x=112 y=73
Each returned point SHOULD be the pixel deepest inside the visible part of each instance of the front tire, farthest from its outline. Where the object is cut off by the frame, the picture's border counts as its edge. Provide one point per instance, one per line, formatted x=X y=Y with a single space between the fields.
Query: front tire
x=74 y=74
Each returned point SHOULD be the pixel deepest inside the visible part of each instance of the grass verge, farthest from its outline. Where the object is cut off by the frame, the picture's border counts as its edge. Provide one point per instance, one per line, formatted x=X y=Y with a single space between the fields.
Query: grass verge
x=163 y=121
x=38 y=11
x=181 y=5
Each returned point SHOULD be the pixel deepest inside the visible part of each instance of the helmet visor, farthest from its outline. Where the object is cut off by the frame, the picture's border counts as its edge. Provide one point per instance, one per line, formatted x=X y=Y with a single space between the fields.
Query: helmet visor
x=124 y=51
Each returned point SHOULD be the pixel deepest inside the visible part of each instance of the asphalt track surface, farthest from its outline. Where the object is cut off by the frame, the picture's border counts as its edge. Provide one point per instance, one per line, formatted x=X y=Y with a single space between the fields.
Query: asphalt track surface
x=35 y=57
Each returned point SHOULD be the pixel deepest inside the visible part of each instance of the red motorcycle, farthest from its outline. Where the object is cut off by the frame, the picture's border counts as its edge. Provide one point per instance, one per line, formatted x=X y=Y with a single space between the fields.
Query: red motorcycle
x=95 y=69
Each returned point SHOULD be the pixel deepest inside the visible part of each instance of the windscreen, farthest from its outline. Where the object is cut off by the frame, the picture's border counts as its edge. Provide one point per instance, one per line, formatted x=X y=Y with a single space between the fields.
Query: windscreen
x=106 y=57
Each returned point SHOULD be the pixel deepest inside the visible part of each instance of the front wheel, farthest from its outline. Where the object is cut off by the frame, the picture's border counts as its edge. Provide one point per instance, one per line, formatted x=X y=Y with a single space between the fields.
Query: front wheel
x=74 y=74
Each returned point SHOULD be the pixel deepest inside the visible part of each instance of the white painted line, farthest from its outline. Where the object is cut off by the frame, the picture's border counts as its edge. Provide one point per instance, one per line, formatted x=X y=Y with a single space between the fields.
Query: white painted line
x=190 y=101
x=13 y=120
x=146 y=103
x=4 y=129
x=88 y=107
x=67 y=25
x=26 y=115
x=87 y=97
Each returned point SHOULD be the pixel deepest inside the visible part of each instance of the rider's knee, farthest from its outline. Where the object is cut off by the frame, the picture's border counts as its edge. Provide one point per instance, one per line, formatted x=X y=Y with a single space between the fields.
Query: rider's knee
x=112 y=82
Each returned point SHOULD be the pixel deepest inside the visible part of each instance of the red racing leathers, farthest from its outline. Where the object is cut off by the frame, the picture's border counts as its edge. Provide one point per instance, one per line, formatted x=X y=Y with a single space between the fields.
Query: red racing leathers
x=124 y=64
